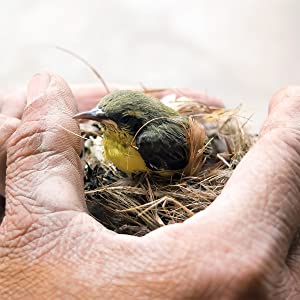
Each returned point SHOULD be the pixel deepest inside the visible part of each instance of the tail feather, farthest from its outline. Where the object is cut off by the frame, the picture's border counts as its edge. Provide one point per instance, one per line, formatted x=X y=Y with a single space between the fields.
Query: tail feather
x=196 y=139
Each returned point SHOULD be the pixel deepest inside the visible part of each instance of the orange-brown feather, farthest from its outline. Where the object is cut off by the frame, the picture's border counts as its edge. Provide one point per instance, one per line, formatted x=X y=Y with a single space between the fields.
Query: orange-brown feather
x=195 y=139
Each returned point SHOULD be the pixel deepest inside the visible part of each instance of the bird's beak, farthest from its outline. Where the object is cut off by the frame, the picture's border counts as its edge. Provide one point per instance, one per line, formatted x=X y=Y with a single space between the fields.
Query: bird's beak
x=96 y=114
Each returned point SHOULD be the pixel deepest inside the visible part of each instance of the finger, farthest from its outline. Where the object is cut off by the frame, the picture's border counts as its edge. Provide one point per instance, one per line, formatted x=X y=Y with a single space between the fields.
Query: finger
x=88 y=96
x=190 y=93
x=43 y=165
x=13 y=103
x=8 y=126
x=261 y=199
x=2 y=208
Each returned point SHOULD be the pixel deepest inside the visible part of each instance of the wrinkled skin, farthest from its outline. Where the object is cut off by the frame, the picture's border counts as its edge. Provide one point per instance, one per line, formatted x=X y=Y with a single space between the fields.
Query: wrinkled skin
x=50 y=248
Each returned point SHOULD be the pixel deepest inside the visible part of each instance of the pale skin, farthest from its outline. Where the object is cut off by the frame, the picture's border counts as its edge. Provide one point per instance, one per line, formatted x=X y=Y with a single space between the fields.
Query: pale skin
x=50 y=248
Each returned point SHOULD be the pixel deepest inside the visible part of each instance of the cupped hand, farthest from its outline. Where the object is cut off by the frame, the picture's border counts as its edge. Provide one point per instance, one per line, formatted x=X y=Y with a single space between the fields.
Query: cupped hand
x=241 y=247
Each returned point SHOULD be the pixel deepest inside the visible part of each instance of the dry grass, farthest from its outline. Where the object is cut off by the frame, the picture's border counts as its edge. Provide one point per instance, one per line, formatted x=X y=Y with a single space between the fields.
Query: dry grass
x=141 y=203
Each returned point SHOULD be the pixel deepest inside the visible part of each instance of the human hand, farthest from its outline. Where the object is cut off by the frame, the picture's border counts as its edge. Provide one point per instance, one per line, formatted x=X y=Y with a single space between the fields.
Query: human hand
x=238 y=248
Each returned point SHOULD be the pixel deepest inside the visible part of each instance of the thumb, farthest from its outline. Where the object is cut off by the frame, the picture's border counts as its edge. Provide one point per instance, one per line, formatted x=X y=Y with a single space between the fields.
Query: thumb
x=262 y=195
x=43 y=164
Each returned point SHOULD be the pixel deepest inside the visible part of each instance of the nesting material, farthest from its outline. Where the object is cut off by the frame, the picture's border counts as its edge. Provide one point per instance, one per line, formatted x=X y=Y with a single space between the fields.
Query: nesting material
x=141 y=203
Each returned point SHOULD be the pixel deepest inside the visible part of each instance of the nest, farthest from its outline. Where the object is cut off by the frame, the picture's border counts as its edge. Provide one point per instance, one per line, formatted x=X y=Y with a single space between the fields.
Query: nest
x=141 y=203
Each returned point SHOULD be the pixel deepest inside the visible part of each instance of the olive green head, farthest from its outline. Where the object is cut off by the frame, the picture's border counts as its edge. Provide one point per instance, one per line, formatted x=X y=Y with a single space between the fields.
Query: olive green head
x=129 y=110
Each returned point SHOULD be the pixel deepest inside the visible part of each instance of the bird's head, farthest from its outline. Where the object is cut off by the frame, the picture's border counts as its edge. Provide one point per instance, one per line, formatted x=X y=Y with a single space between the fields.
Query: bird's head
x=129 y=110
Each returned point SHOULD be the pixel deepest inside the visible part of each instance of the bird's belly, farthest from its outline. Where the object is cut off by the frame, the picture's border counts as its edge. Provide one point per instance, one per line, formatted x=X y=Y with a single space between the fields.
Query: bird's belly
x=119 y=151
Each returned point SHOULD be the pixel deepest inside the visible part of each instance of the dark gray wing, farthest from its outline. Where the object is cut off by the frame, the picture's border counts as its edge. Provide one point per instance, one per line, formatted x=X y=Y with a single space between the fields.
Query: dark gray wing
x=163 y=146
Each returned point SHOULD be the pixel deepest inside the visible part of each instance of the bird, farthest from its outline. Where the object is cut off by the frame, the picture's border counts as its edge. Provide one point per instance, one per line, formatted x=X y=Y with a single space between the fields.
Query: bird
x=141 y=134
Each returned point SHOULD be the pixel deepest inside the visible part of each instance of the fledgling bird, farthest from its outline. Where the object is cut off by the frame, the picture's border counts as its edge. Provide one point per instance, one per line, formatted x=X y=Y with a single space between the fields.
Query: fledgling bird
x=141 y=134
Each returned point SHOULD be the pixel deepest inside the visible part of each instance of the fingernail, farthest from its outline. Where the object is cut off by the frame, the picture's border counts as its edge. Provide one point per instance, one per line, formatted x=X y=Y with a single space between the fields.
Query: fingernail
x=37 y=86
x=293 y=91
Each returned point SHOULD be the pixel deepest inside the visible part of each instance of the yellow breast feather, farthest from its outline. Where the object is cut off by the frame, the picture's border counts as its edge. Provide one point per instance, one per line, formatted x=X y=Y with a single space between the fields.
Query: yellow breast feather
x=119 y=150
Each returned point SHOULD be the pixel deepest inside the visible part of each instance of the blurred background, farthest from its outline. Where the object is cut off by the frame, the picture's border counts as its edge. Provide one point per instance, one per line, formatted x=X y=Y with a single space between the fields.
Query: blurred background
x=240 y=51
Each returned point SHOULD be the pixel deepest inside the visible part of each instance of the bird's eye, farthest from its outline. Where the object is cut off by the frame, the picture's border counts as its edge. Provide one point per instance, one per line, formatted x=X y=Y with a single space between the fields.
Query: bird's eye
x=125 y=119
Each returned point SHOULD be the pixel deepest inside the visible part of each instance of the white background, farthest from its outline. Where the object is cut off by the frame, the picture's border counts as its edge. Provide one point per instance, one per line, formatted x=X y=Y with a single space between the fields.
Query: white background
x=240 y=51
